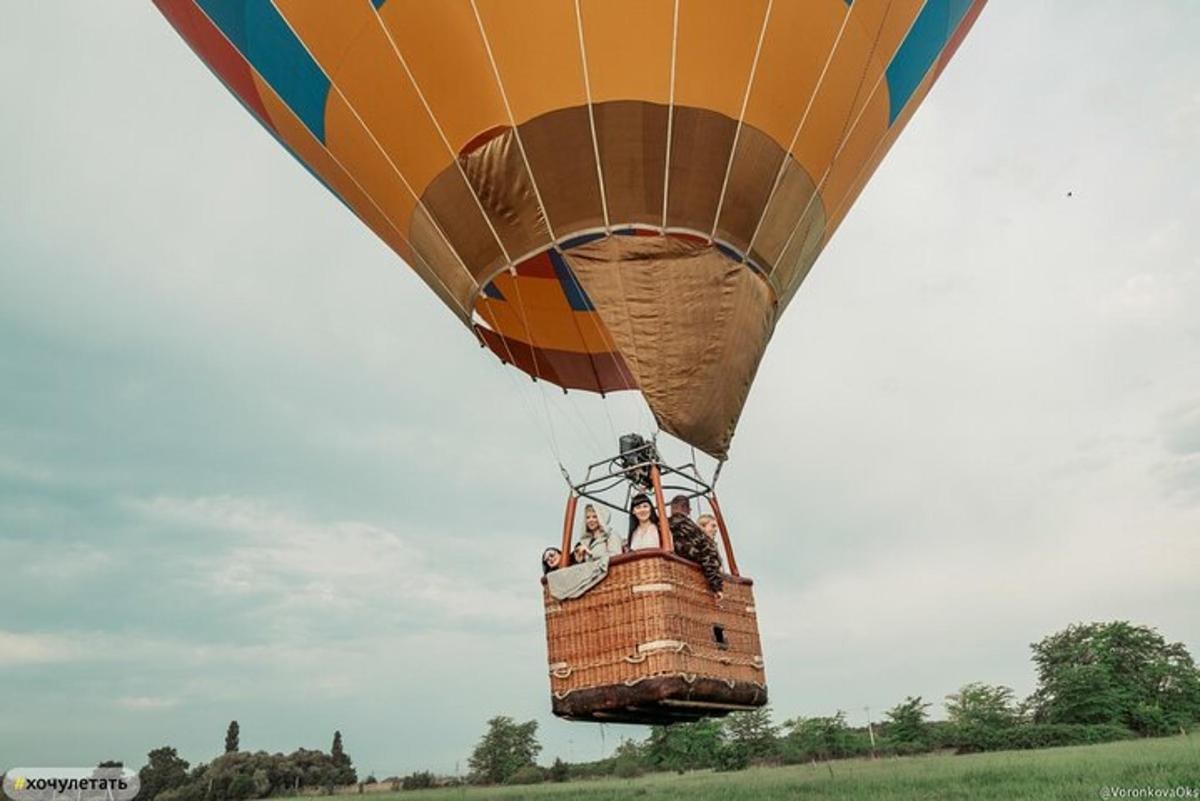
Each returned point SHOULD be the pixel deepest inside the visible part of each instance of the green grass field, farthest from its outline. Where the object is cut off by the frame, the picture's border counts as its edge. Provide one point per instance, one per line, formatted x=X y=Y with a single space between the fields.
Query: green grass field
x=1083 y=772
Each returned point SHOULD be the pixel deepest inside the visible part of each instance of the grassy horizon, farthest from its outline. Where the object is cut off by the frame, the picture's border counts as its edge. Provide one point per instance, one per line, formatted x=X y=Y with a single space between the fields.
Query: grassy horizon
x=1077 y=772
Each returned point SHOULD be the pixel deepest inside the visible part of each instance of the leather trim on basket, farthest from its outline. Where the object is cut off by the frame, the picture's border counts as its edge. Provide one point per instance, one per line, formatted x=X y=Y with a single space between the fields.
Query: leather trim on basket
x=661 y=586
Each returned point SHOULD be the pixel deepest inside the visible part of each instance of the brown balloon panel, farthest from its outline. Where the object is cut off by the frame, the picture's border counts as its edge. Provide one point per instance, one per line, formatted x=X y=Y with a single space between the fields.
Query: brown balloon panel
x=680 y=317
x=512 y=192
x=676 y=317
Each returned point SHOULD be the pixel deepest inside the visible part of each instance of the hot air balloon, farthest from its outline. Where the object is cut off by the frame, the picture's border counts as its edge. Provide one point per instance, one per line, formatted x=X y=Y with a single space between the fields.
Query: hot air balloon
x=610 y=195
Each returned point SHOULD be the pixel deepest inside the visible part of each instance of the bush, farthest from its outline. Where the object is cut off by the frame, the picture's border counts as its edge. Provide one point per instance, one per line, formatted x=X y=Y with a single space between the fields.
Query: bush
x=1039 y=735
x=242 y=786
x=188 y=792
x=530 y=774
x=941 y=734
x=627 y=768
x=591 y=770
x=418 y=780
x=1150 y=720
x=731 y=757
x=902 y=748
x=811 y=739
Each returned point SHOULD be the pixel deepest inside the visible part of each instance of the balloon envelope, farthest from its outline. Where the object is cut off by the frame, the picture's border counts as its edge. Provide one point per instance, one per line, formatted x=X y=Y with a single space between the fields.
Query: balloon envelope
x=612 y=194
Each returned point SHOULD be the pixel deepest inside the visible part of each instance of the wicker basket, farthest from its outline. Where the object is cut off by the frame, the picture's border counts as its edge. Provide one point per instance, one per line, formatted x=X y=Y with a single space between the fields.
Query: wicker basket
x=651 y=644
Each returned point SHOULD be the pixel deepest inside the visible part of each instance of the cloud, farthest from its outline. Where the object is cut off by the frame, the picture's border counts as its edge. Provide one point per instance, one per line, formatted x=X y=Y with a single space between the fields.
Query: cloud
x=146 y=702
x=1181 y=429
x=1180 y=469
x=36 y=649
x=12 y=469
x=69 y=563
x=299 y=567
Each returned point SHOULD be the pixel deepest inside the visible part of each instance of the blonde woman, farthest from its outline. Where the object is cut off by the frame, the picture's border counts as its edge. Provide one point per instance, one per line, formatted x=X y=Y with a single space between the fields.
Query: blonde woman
x=597 y=538
x=708 y=524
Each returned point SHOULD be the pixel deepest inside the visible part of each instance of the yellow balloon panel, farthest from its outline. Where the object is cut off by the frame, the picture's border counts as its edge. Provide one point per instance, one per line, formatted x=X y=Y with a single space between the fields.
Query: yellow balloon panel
x=536 y=47
x=444 y=49
x=852 y=102
x=798 y=40
x=714 y=53
x=628 y=48
x=379 y=95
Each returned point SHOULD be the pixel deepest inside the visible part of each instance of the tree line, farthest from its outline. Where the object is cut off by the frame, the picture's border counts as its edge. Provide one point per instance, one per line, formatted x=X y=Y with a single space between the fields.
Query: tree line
x=1096 y=682
x=237 y=774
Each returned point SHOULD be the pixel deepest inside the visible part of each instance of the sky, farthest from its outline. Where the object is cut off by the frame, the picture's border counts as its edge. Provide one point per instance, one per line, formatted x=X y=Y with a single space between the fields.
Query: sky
x=251 y=468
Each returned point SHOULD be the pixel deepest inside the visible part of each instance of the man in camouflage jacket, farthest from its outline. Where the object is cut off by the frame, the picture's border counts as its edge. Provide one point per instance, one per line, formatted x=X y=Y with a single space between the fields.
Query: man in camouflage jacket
x=693 y=544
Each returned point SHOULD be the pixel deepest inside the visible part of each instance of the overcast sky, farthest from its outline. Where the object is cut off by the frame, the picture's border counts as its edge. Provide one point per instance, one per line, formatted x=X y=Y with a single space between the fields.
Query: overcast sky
x=250 y=467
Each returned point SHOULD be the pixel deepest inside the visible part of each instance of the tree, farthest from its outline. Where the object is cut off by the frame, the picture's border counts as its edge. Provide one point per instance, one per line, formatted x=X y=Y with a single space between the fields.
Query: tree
x=821 y=738
x=243 y=774
x=231 y=737
x=343 y=772
x=684 y=746
x=628 y=759
x=559 y=772
x=630 y=749
x=752 y=731
x=108 y=769
x=504 y=749
x=982 y=706
x=164 y=770
x=418 y=780
x=1117 y=673
x=907 y=722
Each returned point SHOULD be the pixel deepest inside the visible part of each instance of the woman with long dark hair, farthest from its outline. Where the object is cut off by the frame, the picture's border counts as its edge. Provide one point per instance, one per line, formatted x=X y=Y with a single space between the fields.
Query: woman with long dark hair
x=643 y=524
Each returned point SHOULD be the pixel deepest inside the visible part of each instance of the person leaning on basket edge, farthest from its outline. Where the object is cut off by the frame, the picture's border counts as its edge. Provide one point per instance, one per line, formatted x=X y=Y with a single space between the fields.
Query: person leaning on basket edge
x=694 y=545
x=708 y=524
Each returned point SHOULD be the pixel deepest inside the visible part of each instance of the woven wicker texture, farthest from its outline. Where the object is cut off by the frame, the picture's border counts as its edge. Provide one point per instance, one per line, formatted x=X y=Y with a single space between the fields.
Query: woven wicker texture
x=652 y=616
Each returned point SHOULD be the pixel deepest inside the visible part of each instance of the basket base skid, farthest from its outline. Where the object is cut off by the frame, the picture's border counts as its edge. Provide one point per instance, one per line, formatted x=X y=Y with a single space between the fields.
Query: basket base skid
x=659 y=700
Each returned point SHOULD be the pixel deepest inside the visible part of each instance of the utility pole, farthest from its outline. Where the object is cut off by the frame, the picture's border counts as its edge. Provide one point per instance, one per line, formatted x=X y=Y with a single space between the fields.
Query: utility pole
x=870 y=730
